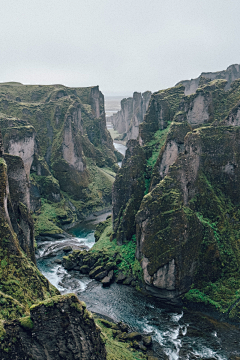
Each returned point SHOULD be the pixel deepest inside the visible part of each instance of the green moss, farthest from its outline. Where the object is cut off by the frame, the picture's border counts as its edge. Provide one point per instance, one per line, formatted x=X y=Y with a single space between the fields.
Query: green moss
x=26 y=322
x=10 y=307
x=155 y=145
x=164 y=104
x=126 y=253
x=46 y=220
x=51 y=302
x=117 y=350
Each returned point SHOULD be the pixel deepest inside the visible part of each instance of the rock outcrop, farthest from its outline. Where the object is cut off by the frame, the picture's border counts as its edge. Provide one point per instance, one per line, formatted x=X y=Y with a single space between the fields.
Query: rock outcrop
x=187 y=223
x=61 y=136
x=127 y=120
x=230 y=74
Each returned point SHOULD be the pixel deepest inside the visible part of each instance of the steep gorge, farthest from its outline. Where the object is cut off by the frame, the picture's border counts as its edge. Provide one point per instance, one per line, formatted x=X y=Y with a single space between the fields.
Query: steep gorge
x=175 y=209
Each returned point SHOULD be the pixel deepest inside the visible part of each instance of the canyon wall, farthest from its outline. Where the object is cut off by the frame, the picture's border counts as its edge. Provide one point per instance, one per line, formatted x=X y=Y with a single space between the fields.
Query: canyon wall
x=35 y=321
x=127 y=120
x=186 y=224
x=61 y=136
x=230 y=74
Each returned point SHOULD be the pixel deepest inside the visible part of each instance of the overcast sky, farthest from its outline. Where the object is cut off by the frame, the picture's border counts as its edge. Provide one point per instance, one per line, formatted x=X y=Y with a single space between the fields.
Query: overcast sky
x=120 y=45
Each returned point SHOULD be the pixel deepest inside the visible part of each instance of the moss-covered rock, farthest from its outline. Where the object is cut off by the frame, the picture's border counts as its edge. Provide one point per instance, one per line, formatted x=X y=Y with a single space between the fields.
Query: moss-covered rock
x=31 y=308
x=61 y=135
x=108 y=258
x=21 y=282
x=19 y=204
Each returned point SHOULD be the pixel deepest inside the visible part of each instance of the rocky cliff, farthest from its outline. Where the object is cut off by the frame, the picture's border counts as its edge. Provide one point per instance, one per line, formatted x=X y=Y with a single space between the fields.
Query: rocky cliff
x=127 y=120
x=57 y=328
x=68 y=155
x=230 y=74
x=35 y=321
x=187 y=224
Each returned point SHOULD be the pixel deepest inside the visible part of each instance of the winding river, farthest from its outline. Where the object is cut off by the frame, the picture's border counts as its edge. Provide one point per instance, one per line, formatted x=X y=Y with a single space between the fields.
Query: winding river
x=176 y=334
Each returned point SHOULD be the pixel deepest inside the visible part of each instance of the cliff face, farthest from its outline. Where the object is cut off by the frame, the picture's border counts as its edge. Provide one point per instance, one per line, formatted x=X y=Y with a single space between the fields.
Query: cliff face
x=20 y=280
x=231 y=74
x=127 y=196
x=127 y=120
x=60 y=134
x=187 y=225
x=58 y=327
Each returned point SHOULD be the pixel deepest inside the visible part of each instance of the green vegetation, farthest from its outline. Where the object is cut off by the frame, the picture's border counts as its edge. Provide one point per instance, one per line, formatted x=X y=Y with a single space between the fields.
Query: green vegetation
x=26 y=322
x=115 y=135
x=117 y=350
x=57 y=115
x=129 y=264
x=154 y=146
x=48 y=217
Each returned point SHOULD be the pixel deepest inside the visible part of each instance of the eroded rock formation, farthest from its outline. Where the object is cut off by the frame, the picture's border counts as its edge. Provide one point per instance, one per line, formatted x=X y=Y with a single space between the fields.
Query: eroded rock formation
x=127 y=195
x=230 y=74
x=55 y=327
x=60 y=134
x=127 y=120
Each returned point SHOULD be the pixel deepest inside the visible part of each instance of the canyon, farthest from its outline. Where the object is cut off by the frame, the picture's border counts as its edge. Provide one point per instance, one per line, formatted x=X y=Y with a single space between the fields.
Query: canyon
x=174 y=229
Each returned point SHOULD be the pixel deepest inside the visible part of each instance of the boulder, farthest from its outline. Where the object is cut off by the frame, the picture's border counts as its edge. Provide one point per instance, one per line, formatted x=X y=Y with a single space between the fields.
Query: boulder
x=100 y=275
x=84 y=269
x=128 y=280
x=106 y=281
x=97 y=270
x=67 y=248
x=147 y=340
x=58 y=261
x=120 y=278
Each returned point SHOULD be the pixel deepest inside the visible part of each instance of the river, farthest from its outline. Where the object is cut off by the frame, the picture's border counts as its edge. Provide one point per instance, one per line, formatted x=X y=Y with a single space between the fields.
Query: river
x=177 y=334
x=181 y=335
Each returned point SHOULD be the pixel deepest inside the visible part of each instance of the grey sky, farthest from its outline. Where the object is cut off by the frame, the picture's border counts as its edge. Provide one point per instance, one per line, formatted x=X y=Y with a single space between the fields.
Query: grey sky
x=120 y=45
